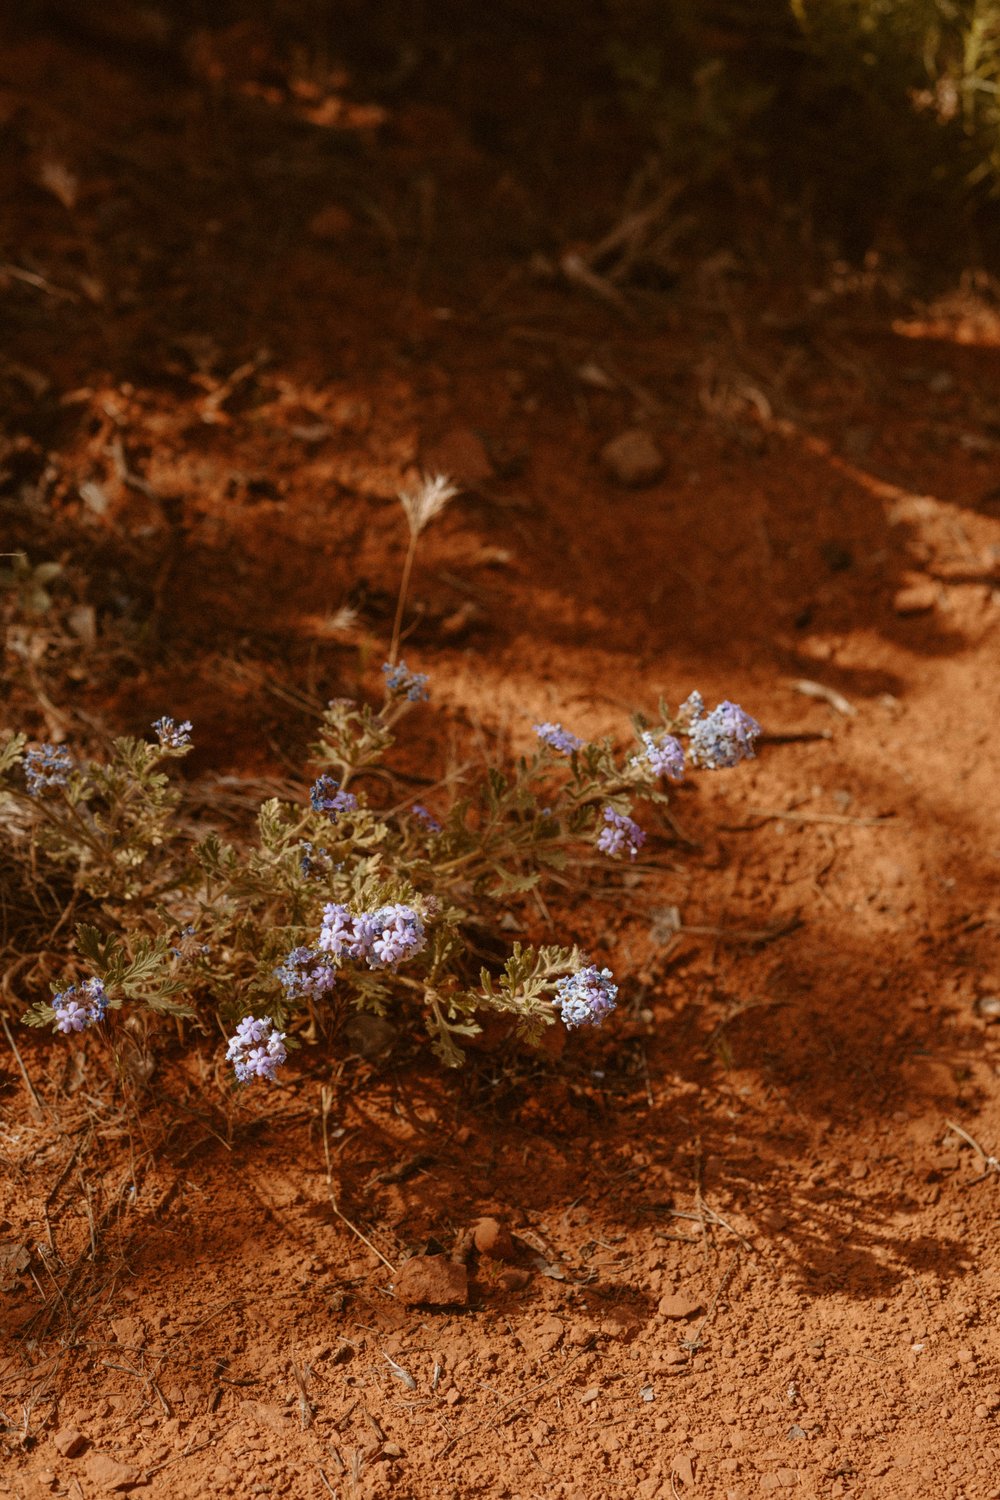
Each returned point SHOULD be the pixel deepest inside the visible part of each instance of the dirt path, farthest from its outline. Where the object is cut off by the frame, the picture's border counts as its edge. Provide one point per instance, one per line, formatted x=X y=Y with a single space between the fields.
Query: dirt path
x=754 y=1217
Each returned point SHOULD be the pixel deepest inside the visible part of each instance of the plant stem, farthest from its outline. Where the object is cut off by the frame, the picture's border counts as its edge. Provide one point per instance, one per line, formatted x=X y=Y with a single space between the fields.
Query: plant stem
x=401 y=601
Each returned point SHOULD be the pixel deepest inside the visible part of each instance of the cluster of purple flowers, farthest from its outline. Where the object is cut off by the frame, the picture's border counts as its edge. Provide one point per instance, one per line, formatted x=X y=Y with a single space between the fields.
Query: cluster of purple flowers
x=425 y=816
x=586 y=997
x=722 y=738
x=692 y=708
x=306 y=974
x=257 y=1050
x=171 y=735
x=46 y=766
x=311 y=857
x=383 y=938
x=327 y=797
x=559 y=738
x=400 y=682
x=620 y=834
x=663 y=756
x=80 y=1006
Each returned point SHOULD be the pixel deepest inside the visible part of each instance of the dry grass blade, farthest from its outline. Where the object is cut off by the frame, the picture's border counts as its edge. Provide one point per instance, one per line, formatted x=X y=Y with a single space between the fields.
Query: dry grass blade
x=420 y=504
x=426 y=500
x=810 y=689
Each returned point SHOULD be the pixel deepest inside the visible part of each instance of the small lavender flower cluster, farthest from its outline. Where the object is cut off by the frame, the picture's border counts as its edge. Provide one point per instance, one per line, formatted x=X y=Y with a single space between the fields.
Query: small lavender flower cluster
x=663 y=756
x=326 y=796
x=620 y=834
x=46 y=766
x=306 y=974
x=171 y=735
x=383 y=938
x=311 y=857
x=586 y=997
x=425 y=816
x=400 y=682
x=80 y=1006
x=559 y=738
x=257 y=1050
x=722 y=738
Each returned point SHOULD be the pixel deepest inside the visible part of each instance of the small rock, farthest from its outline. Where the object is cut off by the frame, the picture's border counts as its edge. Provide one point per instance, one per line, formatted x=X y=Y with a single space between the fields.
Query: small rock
x=493 y=1238
x=69 y=1442
x=683 y=1469
x=859 y=1170
x=109 y=1474
x=461 y=456
x=514 y=1281
x=633 y=459
x=549 y=1333
x=590 y=1396
x=915 y=599
x=392 y=1450
x=433 y=1280
x=331 y=223
x=677 y=1305
x=368 y=1035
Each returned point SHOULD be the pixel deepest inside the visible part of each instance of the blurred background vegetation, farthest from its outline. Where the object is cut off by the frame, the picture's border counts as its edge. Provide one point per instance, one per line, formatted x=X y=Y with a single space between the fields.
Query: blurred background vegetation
x=874 y=122
x=864 y=113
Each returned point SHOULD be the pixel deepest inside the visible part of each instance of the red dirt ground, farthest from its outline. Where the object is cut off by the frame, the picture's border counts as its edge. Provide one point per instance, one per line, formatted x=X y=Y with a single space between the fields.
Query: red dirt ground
x=754 y=1217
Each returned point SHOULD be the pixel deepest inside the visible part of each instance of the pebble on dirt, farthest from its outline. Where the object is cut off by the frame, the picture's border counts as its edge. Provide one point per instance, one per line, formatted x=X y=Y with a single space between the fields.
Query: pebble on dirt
x=462 y=455
x=915 y=599
x=432 y=1280
x=677 y=1305
x=633 y=459
x=493 y=1238
x=108 y=1474
x=69 y=1442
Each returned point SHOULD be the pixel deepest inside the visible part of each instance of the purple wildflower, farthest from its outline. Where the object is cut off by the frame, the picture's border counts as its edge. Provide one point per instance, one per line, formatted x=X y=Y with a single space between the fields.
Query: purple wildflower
x=559 y=738
x=692 y=708
x=664 y=757
x=325 y=796
x=398 y=934
x=426 y=817
x=383 y=938
x=586 y=997
x=620 y=833
x=257 y=1050
x=46 y=766
x=337 y=933
x=80 y=1006
x=723 y=738
x=171 y=735
x=306 y=974
x=312 y=857
x=400 y=682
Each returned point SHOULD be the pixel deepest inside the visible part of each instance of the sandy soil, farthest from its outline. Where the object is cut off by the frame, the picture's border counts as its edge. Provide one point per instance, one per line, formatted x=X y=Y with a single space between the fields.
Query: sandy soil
x=751 y=1222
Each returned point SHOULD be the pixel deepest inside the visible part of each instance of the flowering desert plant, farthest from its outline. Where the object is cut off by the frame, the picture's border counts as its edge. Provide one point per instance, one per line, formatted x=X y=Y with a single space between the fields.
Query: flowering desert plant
x=336 y=904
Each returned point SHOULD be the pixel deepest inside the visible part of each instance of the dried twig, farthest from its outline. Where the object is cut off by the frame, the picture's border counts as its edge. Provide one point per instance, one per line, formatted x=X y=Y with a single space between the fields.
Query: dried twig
x=695 y=1343
x=515 y=1400
x=363 y=1237
x=810 y=689
x=990 y=1163
x=20 y=1063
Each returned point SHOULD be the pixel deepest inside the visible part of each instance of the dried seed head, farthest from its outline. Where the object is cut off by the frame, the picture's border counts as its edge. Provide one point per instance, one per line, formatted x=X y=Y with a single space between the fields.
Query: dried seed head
x=426 y=500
